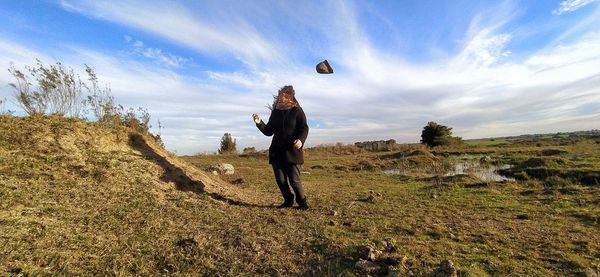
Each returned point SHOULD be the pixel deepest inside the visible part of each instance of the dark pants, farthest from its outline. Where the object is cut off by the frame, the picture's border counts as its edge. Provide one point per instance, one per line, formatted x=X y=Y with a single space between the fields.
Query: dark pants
x=287 y=174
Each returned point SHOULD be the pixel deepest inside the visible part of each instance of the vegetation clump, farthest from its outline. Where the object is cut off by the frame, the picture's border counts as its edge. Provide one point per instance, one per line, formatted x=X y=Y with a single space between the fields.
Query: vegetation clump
x=435 y=134
x=57 y=90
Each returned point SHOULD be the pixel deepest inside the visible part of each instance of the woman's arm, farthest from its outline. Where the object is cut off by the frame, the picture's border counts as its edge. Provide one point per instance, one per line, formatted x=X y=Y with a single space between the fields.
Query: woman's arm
x=266 y=129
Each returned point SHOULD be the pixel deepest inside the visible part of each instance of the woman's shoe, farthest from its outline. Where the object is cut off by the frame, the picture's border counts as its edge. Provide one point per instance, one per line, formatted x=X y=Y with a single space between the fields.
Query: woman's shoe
x=302 y=204
x=286 y=204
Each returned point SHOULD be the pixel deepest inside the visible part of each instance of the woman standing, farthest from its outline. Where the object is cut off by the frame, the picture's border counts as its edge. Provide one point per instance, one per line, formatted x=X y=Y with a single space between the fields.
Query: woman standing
x=287 y=125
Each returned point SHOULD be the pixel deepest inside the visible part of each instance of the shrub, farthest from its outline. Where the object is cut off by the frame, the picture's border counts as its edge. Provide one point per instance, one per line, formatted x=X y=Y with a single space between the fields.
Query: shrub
x=56 y=89
x=53 y=89
x=435 y=134
x=99 y=100
x=228 y=144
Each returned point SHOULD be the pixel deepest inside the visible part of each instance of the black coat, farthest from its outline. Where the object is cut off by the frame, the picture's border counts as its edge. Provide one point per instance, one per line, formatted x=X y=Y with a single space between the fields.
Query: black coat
x=285 y=126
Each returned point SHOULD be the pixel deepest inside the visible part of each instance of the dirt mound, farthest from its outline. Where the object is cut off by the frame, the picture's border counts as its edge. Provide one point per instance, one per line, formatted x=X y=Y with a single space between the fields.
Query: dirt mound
x=91 y=149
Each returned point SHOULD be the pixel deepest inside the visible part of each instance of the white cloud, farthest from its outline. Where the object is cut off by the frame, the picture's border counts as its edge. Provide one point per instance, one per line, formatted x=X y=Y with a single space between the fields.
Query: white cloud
x=178 y=24
x=157 y=54
x=571 y=5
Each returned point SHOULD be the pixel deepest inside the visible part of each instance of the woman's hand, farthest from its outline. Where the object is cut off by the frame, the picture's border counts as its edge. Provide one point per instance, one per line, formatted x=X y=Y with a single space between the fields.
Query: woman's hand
x=297 y=144
x=256 y=118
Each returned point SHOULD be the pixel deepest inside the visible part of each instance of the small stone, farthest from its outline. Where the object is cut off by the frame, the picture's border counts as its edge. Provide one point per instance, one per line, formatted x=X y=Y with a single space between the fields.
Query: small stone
x=368 y=266
x=371 y=199
x=522 y=217
x=445 y=269
x=222 y=168
x=239 y=181
x=305 y=172
x=394 y=271
x=368 y=253
x=332 y=212
x=434 y=196
x=390 y=247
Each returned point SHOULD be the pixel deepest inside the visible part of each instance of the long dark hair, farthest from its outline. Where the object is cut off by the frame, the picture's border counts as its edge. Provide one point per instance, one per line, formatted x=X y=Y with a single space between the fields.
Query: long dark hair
x=289 y=90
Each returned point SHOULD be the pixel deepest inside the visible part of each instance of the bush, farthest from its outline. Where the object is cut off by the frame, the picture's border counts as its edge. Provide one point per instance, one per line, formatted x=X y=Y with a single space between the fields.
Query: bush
x=99 y=100
x=228 y=144
x=55 y=89
x=435 y=134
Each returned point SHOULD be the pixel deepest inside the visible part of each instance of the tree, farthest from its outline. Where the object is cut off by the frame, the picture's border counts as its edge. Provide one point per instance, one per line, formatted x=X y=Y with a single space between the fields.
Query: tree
x=227 y=144
x=435 y=135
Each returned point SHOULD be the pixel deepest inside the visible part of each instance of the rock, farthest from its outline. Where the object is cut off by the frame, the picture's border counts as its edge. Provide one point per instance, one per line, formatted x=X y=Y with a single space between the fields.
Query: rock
x=402 y=268
x=390 y=247
x=238 y=181
x=371 y=198
x=368 y=253
x=394 y=272
x=445 y=269
x=368 y=267
x=332 y=212
x=522 y=217
x=305 y=172
x=222 y=168
x=317 y=166
x=390 y=261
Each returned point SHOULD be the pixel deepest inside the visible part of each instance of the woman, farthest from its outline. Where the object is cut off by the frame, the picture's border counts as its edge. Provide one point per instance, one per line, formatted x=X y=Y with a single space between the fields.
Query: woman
x=287 y=125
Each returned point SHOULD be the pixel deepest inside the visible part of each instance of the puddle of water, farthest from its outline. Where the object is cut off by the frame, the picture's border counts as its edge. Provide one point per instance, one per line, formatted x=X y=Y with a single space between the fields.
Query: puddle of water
x=486 y=173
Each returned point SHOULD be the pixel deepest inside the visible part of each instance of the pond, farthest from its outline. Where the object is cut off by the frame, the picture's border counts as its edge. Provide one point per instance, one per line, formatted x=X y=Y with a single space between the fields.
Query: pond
x=485 y=172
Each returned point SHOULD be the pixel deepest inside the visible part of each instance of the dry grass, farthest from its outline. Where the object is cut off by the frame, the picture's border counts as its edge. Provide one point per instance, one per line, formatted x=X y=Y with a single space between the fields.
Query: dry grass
x=85 y=199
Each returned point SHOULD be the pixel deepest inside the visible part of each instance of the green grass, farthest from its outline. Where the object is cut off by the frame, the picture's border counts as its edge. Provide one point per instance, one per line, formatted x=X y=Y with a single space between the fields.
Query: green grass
x=80 y=199
x=488 y=142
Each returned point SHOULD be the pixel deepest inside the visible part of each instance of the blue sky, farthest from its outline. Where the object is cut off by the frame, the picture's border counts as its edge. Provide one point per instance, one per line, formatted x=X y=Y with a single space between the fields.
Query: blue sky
x=485 y=68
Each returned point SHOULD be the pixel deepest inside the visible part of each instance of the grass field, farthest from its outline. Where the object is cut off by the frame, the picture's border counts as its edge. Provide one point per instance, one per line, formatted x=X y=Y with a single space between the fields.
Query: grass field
x=85 y=199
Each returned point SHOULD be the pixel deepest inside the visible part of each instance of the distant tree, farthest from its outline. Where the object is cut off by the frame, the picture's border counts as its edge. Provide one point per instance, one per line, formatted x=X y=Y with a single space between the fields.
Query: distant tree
x=228 y=144
x=435 y=134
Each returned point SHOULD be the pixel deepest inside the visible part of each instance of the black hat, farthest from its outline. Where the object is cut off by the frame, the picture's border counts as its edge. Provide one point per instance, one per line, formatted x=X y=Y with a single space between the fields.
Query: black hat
x=324 y=67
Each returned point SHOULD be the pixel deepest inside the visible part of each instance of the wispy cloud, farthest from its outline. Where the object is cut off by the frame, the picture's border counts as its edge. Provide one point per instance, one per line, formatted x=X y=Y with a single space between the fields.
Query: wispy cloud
x=571 y=5
x=178 y=24
x=156 y=54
